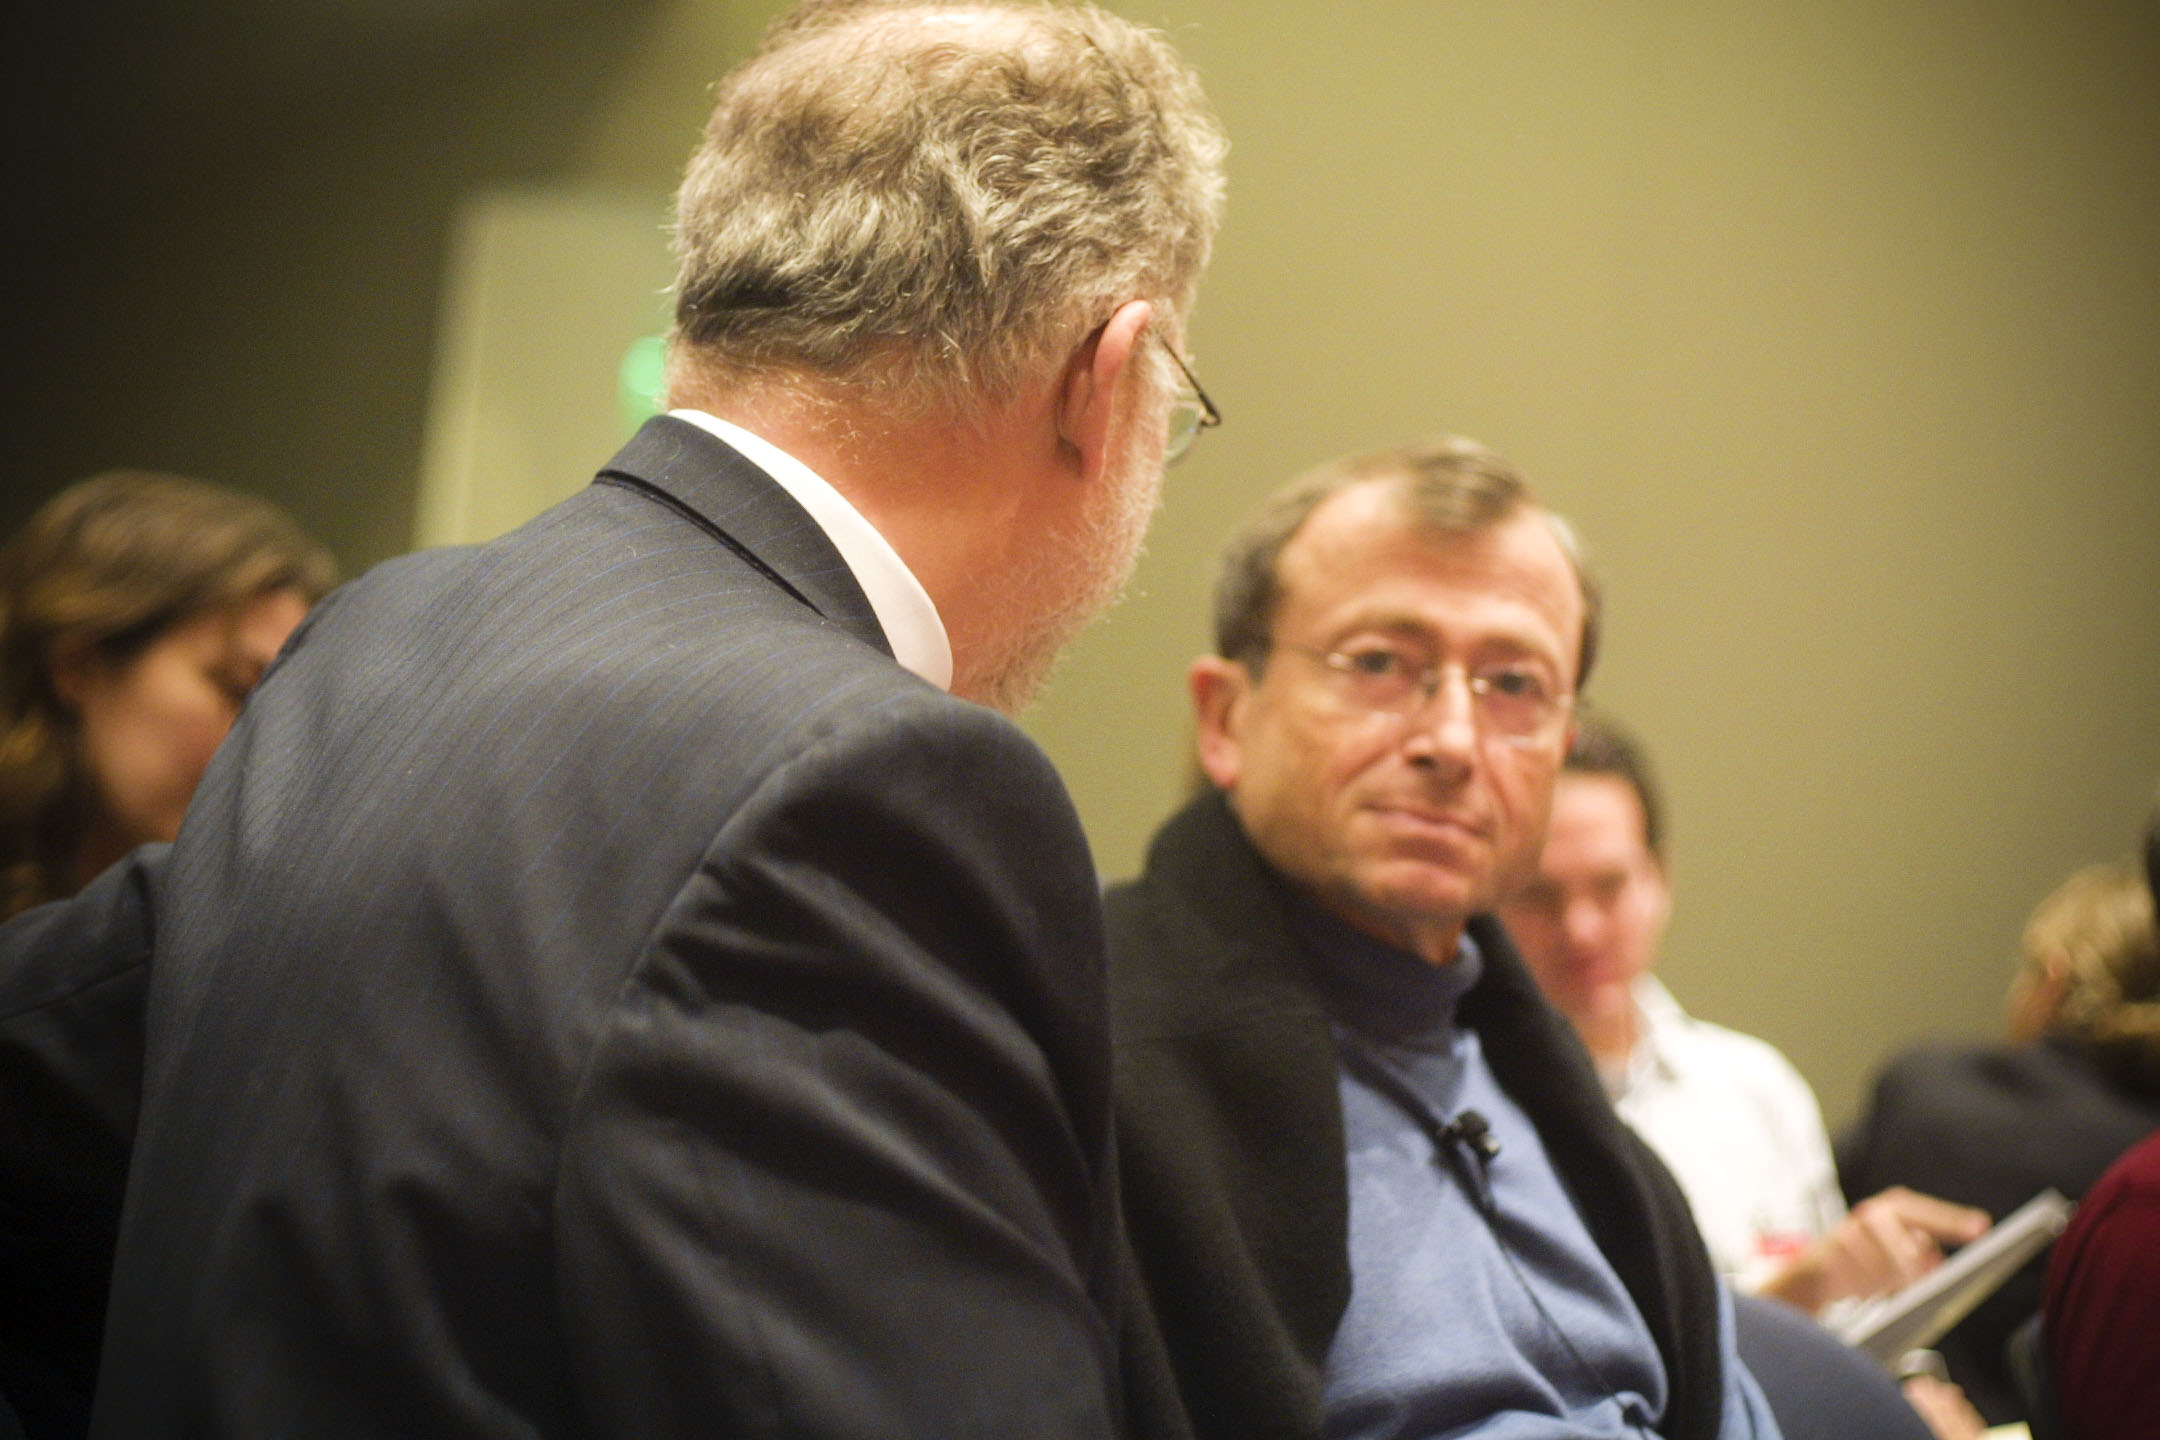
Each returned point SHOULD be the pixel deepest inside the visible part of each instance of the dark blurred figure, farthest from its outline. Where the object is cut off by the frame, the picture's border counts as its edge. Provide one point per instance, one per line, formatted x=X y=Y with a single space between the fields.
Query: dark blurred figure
x=2077 y=1085
x=136 y=612
x=2152 y=852
x=2103 y=1285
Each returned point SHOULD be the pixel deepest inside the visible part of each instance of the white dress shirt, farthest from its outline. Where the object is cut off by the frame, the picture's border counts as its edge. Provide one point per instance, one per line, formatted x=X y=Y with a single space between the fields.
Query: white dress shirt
x=903 y=608
x=1740 y=1130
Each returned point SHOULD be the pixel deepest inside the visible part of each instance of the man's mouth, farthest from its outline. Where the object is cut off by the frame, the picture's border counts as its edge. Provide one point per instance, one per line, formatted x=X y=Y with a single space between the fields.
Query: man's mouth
x=1436 y=821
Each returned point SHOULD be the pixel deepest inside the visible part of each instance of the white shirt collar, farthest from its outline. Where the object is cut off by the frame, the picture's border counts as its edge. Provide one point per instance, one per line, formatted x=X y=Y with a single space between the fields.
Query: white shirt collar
x=1658 y=1022
x=903 y=608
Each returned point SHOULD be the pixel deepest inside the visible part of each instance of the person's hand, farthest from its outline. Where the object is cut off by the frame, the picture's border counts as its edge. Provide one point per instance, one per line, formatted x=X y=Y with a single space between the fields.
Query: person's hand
x=1888 y=1241
x=1944 y=1407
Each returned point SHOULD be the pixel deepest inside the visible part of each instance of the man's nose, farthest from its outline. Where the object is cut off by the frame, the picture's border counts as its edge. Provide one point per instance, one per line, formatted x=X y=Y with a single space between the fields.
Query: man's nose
x=1444 y=722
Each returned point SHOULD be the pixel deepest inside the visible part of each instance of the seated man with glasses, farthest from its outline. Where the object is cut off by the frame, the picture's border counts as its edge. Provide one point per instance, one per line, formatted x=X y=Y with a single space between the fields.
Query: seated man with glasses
x=1371 y=1185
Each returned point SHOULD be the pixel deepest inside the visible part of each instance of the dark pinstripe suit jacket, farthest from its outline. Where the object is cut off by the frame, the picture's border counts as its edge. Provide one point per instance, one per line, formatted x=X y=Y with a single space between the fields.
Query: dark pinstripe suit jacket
x=597 y=992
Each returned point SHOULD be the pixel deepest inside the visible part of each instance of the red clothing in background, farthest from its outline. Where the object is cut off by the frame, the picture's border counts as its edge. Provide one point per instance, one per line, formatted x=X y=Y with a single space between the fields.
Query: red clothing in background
x=2103 y=1305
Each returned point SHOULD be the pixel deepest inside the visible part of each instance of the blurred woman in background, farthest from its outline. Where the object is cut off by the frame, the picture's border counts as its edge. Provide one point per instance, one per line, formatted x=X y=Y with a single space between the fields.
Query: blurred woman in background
x=136 y=612
x=2077 y=1084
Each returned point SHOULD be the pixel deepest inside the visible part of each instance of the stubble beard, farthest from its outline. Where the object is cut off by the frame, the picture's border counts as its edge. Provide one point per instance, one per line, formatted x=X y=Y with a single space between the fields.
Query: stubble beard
x=1081 y=571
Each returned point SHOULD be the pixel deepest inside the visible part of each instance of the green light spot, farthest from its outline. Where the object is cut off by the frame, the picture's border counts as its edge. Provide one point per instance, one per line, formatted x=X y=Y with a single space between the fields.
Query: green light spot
x=641 y=381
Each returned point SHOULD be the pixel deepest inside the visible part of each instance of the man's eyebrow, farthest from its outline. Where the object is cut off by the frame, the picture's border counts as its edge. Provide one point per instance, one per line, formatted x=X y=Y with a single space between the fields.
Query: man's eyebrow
x=1507 y=639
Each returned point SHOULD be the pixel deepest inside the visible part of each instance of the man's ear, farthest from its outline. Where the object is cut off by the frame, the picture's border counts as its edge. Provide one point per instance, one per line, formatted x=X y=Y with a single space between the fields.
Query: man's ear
x=68 y=665
x=1221 y=689
x=1088 y=400
x=1663 y=900
x=2037 y=995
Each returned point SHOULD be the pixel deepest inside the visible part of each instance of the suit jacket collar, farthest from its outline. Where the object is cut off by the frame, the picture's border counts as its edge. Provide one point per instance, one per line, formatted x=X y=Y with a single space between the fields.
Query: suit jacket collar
x=696 y=473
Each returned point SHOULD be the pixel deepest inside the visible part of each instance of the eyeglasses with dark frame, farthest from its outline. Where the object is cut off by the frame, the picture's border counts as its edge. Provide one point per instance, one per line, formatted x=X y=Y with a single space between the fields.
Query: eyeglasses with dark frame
x=1190 y=409
x=1512 y=701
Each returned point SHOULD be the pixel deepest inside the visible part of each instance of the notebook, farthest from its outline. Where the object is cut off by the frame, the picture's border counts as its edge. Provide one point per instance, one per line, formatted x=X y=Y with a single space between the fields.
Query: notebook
x=1915 y=1317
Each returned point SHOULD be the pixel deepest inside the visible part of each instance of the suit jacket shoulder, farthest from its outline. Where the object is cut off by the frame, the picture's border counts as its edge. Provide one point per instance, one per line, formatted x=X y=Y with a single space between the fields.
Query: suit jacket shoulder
x=922 y=1025
x=600 y=986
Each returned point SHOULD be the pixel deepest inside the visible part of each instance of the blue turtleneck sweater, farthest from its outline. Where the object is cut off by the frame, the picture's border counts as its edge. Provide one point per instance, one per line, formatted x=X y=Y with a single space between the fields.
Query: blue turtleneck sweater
x=1479 y=1304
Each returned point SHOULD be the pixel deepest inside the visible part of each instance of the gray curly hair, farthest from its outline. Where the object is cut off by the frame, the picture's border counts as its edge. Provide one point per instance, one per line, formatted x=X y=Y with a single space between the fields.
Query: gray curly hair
x=927 y=201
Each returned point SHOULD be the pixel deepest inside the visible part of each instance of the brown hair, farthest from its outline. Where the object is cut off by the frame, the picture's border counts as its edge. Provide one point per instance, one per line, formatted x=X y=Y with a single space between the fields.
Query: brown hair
x=1604 y=747
x=1449 y=485
x=112 y=562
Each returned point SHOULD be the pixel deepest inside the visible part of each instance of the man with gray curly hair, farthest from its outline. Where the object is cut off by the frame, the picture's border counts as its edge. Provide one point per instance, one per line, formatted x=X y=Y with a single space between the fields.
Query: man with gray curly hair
x=929 y=249
x=612 y=982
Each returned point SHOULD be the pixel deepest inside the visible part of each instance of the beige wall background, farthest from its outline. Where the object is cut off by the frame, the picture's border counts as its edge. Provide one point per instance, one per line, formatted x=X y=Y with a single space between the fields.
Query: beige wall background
x=1835 y=326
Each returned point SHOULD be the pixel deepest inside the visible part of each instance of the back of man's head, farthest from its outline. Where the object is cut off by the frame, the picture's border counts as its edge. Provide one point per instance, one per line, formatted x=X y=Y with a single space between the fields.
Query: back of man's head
x=918 y=203
x=1602 y=746
x=1448 y=485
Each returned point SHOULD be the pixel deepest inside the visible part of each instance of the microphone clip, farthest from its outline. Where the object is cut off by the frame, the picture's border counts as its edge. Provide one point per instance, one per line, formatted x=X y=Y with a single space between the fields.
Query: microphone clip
x=1471 y=1129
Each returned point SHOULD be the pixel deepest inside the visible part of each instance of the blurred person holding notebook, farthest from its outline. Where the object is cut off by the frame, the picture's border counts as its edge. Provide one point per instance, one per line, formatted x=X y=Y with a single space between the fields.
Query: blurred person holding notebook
x=1738 y=1126
x=2076 y=1085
